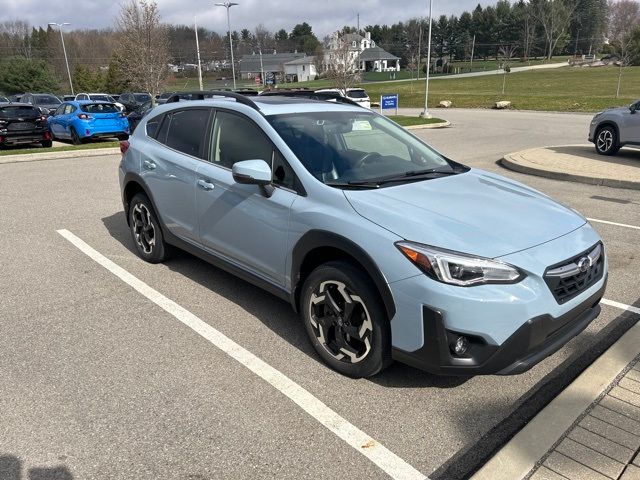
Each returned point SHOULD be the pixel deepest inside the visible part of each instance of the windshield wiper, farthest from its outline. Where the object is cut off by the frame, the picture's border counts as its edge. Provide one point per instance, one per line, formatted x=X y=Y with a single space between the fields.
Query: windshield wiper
x=413 y=174
x=361 y=185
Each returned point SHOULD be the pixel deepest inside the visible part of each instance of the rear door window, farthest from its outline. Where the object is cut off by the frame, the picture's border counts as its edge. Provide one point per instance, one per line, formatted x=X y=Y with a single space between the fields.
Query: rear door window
x=186 y=131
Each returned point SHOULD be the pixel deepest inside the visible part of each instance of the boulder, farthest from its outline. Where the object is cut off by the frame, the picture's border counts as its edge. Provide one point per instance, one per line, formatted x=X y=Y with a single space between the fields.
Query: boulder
x=502 y=104
x=445 y=104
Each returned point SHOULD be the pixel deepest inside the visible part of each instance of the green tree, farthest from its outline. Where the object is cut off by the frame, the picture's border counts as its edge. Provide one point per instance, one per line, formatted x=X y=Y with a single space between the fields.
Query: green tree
x=304 y=39
x=19 y=74
x=115 y=81
x=86 y=80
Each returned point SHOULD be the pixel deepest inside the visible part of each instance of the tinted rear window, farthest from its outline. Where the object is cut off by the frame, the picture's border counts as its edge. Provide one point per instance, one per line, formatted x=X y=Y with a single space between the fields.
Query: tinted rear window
x=100 y=98
x=19 y=111
x=46 y=99
x=142 y=97
x=99 y=108
x=186 y=131
x=357 y=94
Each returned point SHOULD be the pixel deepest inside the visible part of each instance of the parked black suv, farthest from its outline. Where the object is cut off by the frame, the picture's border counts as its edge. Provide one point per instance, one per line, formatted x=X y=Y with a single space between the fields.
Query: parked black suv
x=47 y=103
x=21 y=123
x=134 y=102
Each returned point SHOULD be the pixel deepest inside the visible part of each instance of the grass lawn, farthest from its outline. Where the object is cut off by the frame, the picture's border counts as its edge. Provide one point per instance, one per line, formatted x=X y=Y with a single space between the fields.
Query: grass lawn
x=66 y=148
x=406 y=121
x=563 y=89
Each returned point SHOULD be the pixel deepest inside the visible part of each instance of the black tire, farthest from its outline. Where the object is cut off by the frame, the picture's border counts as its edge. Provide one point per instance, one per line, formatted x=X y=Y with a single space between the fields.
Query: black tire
x=145 y=230
x=47 y=143
x=75 y=138
x=330 y=332
x=606 y=141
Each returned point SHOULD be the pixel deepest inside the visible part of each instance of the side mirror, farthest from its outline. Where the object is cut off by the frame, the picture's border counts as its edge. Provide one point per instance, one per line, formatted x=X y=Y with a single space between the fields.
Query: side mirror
x=253 y=172
x=633 y=108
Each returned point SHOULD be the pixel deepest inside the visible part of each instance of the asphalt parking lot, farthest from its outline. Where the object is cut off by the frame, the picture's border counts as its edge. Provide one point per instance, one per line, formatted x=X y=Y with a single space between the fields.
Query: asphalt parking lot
x=101 y=382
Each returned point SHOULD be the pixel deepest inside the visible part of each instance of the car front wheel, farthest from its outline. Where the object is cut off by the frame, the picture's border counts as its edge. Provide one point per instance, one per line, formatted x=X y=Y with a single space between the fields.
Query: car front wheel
x=346 y=320
x=607 y=141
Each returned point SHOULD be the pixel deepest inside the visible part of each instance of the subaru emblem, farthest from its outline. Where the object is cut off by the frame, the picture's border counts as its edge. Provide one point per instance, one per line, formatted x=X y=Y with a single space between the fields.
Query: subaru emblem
x=583 y=264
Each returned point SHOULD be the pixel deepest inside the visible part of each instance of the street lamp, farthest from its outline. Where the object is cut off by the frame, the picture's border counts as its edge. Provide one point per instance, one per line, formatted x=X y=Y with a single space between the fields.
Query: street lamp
x=228 y=5
x=60 y=25
x=425 y=113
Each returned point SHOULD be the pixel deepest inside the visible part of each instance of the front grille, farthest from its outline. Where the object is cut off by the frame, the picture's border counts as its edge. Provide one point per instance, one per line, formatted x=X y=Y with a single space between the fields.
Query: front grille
x=570 y=278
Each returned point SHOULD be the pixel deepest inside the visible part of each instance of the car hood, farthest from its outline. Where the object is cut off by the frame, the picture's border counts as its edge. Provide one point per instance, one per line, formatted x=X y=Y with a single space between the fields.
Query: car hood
x=475 y=212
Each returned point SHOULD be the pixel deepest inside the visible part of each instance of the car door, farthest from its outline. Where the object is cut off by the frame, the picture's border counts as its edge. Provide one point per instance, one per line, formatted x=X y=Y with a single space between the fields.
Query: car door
x=54 y=121
x=67 y=119
x=168 y=166
x=630 y=126
x=239 y=222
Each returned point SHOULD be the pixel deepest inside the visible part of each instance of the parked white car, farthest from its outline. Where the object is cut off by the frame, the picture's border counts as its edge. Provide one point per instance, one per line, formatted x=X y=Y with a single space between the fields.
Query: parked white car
x=358 y=95
x=99 y=97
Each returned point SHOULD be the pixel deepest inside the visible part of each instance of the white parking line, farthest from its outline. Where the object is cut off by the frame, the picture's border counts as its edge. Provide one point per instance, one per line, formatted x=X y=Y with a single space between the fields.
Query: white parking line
x=388 y=461
x=614 y=223
x=621 y=306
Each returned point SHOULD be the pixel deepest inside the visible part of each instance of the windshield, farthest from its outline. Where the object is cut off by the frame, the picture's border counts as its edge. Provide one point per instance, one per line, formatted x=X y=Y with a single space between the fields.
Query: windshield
x=356 y=94
x=165 y=95
x=342 y=148
x=46 y=100
x=101 y=98
x=142 y=97
x=99 y=108
x=3 y=99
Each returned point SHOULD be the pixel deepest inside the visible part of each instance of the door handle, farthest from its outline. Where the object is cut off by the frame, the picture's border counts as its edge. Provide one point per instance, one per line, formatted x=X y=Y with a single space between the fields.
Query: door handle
x=205 y=185
x=149 y=165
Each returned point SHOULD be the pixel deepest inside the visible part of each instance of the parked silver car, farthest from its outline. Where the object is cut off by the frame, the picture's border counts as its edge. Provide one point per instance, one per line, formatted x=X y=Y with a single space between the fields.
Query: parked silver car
x=612 y=129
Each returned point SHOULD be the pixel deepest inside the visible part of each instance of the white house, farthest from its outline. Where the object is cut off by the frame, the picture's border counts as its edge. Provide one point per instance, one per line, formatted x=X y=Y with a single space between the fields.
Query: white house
x=304 y=69
x=362 y=54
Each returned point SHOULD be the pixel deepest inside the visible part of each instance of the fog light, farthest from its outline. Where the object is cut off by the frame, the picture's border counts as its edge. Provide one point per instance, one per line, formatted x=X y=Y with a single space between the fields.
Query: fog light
x=461 y=346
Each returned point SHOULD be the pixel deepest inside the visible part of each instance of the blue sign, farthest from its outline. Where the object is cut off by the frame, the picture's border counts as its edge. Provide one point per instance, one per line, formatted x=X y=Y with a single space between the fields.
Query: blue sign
x=389 y=101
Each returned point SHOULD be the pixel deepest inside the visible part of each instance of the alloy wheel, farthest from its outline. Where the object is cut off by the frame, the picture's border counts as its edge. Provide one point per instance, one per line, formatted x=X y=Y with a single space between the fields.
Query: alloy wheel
x=143 y=228
x=604 y=142
x=340 y=322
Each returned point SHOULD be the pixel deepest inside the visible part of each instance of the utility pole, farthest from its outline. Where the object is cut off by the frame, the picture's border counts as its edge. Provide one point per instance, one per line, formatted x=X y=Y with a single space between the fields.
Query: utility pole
x=425 y=113
x=228 y=5
x=473 y=47
x=419 y=48
x=358 y=31
x=60 y=25
x=195 y=24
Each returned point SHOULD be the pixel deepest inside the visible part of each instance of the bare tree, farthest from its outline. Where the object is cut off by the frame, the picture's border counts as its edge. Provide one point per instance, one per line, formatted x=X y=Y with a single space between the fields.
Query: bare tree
x=144 y=45
x=16 y=36
x=555 y=17
x=624 y=18
x=340 y=67
x=507 y=53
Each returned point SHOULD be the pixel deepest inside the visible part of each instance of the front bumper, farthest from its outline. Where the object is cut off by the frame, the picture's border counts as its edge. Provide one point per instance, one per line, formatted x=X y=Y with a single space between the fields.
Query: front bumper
x=535 y=340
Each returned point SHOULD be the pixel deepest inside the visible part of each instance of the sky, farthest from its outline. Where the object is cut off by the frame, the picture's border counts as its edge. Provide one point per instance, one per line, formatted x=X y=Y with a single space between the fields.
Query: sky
x=324 y=16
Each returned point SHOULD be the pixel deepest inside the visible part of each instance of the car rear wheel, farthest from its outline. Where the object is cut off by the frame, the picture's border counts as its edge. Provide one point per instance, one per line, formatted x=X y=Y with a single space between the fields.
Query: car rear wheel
x=75 y=138
x=46 y=143
x=145 y=230
x=346 y=320
x=607 y=141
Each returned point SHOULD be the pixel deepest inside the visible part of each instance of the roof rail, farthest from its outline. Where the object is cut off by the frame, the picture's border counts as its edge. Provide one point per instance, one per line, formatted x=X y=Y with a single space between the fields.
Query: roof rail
x=202 y=95
x=311 y=95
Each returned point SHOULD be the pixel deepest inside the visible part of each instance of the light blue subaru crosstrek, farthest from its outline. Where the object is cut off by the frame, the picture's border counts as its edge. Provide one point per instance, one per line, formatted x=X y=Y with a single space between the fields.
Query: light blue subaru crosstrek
x=386 y=248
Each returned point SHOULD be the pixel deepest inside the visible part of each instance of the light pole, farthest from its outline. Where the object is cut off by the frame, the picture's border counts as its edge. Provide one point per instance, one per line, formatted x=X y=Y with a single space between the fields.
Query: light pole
x=60 y=25
x=228 y=5
x=425 y=113
x=195 y=25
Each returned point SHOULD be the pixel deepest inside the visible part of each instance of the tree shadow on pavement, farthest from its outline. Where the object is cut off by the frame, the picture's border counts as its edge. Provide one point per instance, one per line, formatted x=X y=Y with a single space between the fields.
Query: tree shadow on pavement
x=582 y=351
x=11 y=469
x=273 y=312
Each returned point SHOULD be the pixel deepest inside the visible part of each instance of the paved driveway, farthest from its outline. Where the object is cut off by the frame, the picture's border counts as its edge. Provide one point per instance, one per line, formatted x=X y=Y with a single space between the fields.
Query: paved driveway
x=100 y=382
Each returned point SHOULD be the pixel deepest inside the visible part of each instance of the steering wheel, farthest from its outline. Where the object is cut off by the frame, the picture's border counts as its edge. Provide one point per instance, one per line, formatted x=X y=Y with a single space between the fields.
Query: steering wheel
x=366 y=158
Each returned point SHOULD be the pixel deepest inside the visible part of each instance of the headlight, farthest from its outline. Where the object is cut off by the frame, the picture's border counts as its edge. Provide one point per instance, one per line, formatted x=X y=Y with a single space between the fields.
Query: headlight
x=458 y=268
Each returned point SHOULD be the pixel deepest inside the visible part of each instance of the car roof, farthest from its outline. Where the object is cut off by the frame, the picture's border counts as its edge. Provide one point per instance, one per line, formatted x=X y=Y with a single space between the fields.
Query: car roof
x=16 y=104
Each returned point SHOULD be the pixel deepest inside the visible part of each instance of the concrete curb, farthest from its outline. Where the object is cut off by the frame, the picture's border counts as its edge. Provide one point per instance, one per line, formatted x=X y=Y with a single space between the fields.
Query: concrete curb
x=430 y=125
x=515 y=162
x=52 y=155
x=519 y=456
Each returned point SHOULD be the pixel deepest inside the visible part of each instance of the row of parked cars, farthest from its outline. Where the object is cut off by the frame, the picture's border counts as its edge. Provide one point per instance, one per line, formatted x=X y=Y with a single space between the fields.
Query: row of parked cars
x=43 y=117
x=32 y=118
